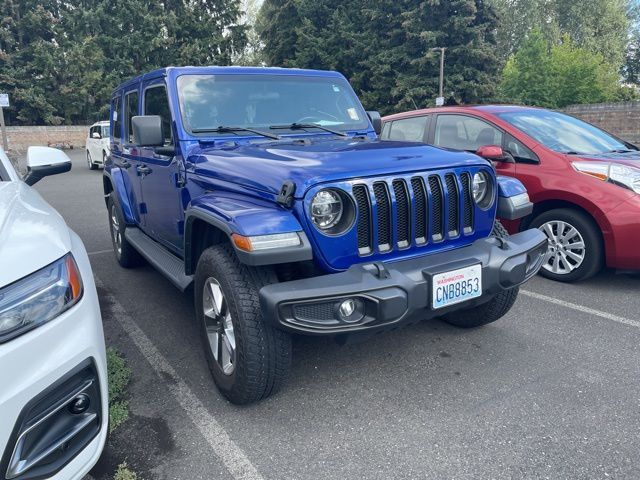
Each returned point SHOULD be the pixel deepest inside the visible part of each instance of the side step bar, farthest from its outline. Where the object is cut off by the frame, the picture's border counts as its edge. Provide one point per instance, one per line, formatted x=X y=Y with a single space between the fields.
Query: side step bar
x=168 y=264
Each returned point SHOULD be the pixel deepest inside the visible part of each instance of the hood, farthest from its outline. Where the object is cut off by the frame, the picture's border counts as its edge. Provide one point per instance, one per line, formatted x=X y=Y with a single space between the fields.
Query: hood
x=32 y=233
x=631 y=159
x=307 y=162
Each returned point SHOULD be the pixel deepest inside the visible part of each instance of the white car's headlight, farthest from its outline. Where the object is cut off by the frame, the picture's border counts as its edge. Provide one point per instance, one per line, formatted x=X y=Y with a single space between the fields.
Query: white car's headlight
x=622 y=175
x=326 y=209
x=39 y=297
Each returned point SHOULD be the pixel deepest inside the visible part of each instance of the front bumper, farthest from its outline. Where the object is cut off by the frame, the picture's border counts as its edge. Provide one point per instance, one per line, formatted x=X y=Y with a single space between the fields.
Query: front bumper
x=399 y=292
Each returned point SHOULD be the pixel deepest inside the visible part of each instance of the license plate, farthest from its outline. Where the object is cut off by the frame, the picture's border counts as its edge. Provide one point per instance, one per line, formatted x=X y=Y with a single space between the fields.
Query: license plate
x=456 y=286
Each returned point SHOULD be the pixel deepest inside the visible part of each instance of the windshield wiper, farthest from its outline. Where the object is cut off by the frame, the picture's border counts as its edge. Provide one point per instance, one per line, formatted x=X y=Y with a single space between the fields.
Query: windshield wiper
x=304 y=126
x=225 y=129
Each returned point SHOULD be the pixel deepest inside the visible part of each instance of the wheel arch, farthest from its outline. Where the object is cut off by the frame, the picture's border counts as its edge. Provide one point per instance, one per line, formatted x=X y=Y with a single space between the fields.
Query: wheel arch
x=213 y=219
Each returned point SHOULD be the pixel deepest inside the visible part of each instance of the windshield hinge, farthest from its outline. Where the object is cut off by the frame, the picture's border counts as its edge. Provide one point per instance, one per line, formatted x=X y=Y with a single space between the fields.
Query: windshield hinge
x=285 y=197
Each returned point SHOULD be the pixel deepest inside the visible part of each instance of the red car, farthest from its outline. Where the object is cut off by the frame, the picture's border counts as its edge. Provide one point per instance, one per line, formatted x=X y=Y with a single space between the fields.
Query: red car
x=584 y=182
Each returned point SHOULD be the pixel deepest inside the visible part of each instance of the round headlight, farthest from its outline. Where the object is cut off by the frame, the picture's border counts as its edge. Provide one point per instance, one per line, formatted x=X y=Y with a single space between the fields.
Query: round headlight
x=326 y=209
x=480 y=187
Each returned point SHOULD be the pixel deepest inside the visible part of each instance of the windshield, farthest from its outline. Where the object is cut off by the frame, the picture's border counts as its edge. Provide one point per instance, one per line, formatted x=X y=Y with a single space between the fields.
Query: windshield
x=261 y=101
x=563 y=133
x=106 y=131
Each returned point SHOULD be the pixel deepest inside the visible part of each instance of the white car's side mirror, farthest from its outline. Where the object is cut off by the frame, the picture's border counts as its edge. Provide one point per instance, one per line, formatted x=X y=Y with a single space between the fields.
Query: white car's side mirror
x=95 y=135
x=45 y=161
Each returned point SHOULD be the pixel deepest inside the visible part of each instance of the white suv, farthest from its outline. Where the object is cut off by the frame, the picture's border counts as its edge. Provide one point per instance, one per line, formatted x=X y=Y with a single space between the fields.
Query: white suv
x=97 y=144
x=53 y=382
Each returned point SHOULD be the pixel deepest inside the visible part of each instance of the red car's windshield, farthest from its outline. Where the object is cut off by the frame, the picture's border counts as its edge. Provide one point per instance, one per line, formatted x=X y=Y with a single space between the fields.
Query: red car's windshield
x=563 y=133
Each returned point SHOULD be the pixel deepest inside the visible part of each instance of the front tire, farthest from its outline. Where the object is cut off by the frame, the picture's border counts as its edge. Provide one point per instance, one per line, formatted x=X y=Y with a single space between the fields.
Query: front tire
x=490 y=311
x=249 y=359
x=126 y=255
x=90 y=164
x=575 y=249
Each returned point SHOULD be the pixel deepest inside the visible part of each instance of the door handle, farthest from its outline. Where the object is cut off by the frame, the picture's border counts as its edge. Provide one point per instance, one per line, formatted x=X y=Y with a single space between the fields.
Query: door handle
x=143 y=170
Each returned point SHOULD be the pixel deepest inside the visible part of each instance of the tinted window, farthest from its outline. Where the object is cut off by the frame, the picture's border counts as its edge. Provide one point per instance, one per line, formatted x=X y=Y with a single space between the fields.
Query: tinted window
x=261 y=101
x=462 y=132
x=410 y=129
x=116 y=118
x=562 y=133
x=157 y=103
x=131 y=104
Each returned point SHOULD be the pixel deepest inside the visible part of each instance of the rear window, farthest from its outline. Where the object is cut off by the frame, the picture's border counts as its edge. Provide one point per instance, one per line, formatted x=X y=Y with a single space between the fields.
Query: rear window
x=131 y=105
x=116 y=117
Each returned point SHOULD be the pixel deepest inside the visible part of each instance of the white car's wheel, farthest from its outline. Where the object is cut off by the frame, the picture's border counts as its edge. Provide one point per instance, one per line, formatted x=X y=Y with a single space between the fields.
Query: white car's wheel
x=90 y=164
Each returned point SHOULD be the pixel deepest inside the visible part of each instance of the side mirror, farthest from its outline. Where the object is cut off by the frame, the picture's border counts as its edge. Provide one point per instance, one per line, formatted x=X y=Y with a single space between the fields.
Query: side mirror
x=95 y=135
x=376 y=121
x=491 y=152
x=45 y=161
x=147 y=130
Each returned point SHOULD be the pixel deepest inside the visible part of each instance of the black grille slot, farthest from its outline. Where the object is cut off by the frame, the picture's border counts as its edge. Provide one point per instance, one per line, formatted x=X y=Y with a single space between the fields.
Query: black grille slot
x=452 y=204
x=364 y=219
x=403 y=221
x=437 y=205
x=384 y=215
x=467 y=202
x=420 y=202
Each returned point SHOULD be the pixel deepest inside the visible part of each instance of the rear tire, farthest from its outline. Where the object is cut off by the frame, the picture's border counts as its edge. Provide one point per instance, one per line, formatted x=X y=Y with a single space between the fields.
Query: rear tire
x=252 y=359
x=566 y=230
x=126 y=255
x=488 y=312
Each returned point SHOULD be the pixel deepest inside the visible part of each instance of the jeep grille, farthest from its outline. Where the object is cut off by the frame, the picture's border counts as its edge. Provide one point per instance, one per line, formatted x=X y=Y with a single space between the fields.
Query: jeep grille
x=395 y=214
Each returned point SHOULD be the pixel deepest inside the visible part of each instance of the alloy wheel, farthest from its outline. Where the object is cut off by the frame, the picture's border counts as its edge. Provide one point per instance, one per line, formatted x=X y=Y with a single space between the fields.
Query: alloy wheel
x=219 y=327
x=566 y=249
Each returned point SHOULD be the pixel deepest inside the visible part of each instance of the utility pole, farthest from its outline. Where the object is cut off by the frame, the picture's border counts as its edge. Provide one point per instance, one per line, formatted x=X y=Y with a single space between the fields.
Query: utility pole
x=4 y=102
x=440 y=99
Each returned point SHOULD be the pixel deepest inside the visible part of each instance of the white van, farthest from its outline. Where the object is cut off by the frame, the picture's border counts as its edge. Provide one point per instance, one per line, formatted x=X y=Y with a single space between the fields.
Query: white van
x=97 y=144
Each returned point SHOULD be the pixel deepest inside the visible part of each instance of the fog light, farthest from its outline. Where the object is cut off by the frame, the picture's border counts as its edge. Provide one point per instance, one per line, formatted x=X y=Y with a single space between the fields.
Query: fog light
x=80 y=404
x=351 y=310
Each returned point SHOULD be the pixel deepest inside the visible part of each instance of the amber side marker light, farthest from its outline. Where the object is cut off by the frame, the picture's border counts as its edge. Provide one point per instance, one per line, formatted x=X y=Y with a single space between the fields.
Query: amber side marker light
x=265 y=242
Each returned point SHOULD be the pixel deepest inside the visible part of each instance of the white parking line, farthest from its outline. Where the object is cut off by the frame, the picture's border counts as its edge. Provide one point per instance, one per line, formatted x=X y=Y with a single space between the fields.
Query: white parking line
x=580 y=308
x=232 y=456
x=99 y=252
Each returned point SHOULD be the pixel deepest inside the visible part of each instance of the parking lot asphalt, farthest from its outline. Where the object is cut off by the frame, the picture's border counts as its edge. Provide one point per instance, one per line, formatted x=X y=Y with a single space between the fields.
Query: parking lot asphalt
x=552 y=390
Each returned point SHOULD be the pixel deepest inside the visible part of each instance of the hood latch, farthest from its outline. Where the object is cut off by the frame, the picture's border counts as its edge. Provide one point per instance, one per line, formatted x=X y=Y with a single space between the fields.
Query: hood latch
x=285 y=197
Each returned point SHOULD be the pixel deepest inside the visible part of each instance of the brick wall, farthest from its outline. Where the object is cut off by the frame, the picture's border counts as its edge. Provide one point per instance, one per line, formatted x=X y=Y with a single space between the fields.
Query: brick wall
x=19 y=138
x=621 y=119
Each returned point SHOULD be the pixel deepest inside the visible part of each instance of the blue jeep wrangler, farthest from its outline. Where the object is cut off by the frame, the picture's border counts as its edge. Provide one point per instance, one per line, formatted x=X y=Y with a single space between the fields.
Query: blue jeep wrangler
x=269 y=191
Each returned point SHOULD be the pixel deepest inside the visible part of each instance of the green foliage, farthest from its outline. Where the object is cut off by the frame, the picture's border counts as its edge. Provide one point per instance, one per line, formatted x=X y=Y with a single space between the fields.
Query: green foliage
x=558 y=75
x=124 y=473
x=599 y=26
x=59 y=61
x=384 y=47
x=118 y=375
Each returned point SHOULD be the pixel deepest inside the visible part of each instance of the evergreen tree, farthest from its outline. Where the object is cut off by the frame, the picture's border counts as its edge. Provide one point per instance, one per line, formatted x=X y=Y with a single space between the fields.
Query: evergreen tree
x=61 y=60
x=384 y=48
